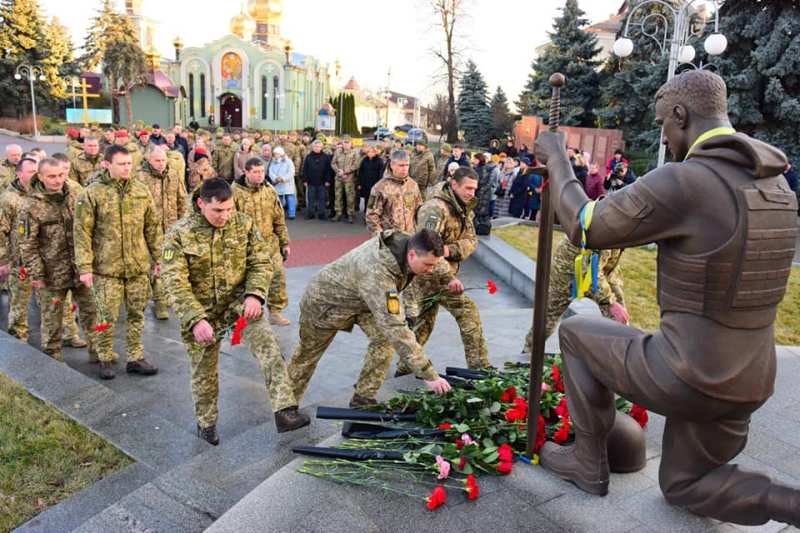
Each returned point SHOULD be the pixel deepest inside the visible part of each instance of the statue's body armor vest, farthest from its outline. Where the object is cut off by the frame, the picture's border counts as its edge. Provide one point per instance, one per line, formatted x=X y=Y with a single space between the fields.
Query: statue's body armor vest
x=739 y=284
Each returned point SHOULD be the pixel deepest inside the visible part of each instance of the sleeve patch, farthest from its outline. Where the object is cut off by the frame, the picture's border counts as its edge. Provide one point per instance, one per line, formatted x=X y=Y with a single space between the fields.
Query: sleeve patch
x=169 y=255
x=393 y=302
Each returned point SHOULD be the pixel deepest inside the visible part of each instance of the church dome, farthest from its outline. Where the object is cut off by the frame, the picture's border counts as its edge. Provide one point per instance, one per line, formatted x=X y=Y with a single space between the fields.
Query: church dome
x=243 y=26
x=266 y=11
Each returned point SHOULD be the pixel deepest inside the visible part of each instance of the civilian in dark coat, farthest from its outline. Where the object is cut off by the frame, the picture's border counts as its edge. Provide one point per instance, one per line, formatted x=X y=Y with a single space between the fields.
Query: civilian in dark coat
x=510 y=149
x=520 y=189
x=369 y=173
x=317 y=175
x=458 y=157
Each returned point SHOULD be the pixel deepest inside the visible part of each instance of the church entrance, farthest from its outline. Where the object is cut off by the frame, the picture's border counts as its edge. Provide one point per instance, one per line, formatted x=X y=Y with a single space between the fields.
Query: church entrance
x=230 y=111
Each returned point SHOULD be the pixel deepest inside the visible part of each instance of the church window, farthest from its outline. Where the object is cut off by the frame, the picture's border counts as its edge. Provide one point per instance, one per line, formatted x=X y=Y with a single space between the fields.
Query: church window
x=274 y=97
x=191 y=95
x=202 y=95
x=264 y=98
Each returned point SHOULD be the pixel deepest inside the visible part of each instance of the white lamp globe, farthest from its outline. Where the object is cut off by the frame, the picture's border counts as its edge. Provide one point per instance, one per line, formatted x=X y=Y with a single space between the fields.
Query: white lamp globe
x=623 y=47
x=42 y=77
x=686 y=54
x=17 y=77
x=716 y=44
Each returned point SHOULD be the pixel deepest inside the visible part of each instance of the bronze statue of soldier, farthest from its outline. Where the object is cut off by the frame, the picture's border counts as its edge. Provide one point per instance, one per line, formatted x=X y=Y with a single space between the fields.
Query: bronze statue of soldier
x=725 y=224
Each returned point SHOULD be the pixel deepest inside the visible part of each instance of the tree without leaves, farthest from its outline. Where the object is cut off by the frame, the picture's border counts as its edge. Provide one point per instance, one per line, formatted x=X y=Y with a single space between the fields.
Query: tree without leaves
x=474 y=115
x=572 y=52
x=502 y=121
x=447 y=16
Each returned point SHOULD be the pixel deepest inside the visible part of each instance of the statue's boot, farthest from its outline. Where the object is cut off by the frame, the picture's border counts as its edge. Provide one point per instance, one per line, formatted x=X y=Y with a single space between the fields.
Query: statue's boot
x=585 y=463
x=783 y=504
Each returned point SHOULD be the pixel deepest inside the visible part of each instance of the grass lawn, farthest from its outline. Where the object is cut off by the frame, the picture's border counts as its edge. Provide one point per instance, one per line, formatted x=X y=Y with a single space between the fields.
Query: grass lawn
x=44 y=456
x=639 y=270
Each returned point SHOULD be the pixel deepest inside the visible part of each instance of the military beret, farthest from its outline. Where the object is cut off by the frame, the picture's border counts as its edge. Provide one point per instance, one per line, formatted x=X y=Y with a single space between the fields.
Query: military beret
x=119 y=134
x=143 y=133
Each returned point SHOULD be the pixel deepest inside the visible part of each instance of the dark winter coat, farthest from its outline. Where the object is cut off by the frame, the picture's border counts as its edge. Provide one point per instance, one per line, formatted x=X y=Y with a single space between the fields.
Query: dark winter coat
x=317 y=169
x=369 y=173
x=519 y=193
x=462 y=161
x=510 y=151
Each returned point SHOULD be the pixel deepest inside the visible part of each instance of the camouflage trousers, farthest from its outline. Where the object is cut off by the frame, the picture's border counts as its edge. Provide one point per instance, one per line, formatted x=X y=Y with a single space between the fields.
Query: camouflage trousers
x=345 y=193
x=19 y=298
x=556 y=305
x=159 y=291
x=111 y=293
x=315 y=340
x=53 y=304
x=300 y=187
x=204 y=366
x=69 y=324
x=277 y=300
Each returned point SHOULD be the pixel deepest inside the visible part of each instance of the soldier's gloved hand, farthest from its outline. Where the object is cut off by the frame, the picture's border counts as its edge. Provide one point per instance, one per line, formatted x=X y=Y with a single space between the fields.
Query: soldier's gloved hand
x=549 y=144
x=252 y=307
x=439 y=385
x=87 y=280
x=619 y=313
x=203 y=332
x=455 y=286
x=4 y=271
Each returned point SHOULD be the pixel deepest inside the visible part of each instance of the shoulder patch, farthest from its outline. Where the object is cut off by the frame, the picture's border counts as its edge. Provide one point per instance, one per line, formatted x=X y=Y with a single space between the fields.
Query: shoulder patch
x=432 y=222
x=169 y=255
x=393 y=302
x=22 y=228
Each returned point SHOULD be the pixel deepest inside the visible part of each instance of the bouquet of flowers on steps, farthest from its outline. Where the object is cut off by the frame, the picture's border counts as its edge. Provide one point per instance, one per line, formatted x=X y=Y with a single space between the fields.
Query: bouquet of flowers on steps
x=479 y=428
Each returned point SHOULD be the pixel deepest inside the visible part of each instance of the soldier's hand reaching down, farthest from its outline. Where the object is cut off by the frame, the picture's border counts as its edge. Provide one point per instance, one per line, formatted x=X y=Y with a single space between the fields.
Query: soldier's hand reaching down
x=87 y=280
x=455 y=286
x=252 y=307
x=203 y=332
x=439 y=385
x=619 y=313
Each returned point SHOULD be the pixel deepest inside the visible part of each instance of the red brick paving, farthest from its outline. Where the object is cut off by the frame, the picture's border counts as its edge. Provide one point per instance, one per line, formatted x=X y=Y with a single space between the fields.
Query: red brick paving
x=308 y=252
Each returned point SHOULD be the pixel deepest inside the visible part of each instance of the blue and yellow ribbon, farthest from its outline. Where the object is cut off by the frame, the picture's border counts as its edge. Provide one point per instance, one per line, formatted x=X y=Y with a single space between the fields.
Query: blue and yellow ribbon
x=587 y=263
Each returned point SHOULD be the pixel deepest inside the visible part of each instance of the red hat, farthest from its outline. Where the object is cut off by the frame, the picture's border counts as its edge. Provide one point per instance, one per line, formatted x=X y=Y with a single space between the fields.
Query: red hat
x=143 y=133
x=200 y=150
x=119 y=134
x=72 y=133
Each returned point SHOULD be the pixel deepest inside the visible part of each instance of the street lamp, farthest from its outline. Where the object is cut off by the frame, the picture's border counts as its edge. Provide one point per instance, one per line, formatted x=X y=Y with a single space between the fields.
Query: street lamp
x=688 y=21
x=31 y=72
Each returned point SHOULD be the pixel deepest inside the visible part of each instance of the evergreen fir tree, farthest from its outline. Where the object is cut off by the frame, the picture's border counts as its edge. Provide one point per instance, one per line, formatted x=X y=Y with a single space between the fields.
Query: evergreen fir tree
x=474 y=116
x=572 y=52
x=502 y=122
x=59 y=62
x=761 y=68
x=106 y=27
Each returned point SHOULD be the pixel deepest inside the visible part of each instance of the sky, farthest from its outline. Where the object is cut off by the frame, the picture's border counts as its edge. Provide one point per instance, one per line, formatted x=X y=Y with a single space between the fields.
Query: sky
x=369 y=37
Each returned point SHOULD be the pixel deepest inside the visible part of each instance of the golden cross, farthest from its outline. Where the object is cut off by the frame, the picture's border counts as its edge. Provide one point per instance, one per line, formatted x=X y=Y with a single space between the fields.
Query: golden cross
x=85 y=94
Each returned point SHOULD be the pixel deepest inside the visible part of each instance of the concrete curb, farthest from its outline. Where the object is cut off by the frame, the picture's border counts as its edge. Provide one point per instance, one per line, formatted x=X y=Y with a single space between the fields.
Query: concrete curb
x=507 y=263
x=48 y=139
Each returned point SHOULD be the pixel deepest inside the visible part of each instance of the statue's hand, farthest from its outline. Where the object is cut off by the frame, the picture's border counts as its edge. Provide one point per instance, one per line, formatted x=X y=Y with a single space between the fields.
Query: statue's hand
x=549 y=144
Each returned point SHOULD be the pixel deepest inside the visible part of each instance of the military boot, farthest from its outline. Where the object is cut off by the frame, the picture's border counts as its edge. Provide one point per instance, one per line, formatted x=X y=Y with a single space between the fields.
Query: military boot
x=350 y=219
x=208 y=434
x=585 y=463
x=107 y=370
x=402 y=370
x=289 y=419
x=277 y=319
x=338 y=218
x=783 y=504
x=161 y=311
x=358 y=401
x=75 y=342
x=141 y=367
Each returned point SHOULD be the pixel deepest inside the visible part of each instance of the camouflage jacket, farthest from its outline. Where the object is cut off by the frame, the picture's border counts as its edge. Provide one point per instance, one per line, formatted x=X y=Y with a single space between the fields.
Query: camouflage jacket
x=47 y=245
x=392 y=204
x=345 y=161
x=423 y=169
x=178 y=163
x=222 y=160
x=295 y=152
x=8 y=173
x=73 y=149
x=11 y=203
x=368 y=279
x=208 y=269
x=168 y=192
x=263 y=206
x=445 y=214
x=117 y=230
x=136 y=154
x=83 y=166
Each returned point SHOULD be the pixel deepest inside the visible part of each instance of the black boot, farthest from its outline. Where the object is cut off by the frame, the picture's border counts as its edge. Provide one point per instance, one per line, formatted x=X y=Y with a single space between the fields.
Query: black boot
x=289 y=419
x=141 y=367
x=208 y=434
x=585 y=463
x=107 y=370
x=358 y=401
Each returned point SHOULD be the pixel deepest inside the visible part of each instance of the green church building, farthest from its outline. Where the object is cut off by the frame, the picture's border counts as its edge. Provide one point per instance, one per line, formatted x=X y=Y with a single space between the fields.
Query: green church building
x=250 y=78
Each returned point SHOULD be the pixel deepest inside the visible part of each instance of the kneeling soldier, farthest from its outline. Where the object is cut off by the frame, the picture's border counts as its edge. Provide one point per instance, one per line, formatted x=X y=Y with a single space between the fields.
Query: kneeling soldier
x=217 y=268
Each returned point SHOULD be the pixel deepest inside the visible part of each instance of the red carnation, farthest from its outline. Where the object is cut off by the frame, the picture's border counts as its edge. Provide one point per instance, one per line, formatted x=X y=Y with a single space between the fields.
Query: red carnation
x=236 y=338
x=562 y=434
x=514 y=414
x=473 y=490
x=445 y=425
x=74 y=307
x=437 y=498
x=504 y=468
x=509 y=394
x=562 y=410
x=102 y=327
x=559 y=384
x=459 y=443
x=505 y=453
x=491 y=286
x=639 y=414
x=56 y=301
x=23 y=274
x=462 y=462
x=471 y=480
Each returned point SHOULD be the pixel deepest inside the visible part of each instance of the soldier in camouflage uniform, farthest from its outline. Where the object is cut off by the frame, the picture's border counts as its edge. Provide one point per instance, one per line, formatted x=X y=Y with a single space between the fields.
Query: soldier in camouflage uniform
x=394 y=200
x=118 y=241
x=363 y=287
x=86 y=162
x=46 y=249
x=259 y=200
x=74 y=146
x=169 y=195
x=345 y=164
x=8 y=167
x=19 y=284
x=610 y=296
x=217 y=268
x=449 y=214
x=224 y=154
x=423 y=167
